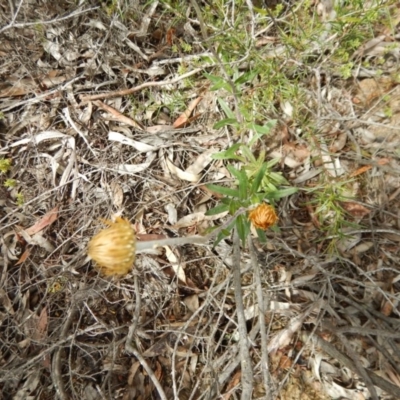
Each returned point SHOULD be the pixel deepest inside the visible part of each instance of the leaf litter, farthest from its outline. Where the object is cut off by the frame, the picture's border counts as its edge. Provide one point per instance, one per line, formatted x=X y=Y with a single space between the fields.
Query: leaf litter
x=82 y=147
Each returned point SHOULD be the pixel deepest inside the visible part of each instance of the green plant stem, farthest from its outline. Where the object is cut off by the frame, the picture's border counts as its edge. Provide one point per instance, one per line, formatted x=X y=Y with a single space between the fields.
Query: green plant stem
x=215 y=54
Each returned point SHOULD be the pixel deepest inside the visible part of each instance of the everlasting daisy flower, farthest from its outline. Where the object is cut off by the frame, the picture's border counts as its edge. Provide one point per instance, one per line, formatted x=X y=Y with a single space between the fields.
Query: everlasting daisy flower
x=263 y=216
x=113 y=249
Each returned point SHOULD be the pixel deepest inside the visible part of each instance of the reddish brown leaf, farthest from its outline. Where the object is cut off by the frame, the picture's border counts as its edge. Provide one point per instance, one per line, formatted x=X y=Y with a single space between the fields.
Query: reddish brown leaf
x=41 y=327
x=365 y=168
x=285 y=362
x=383 y=161
x=355 y=209
x=234 y=382
x=132 y=372
x=170 y=36
x=387 y=308
x=46 y=362
x=184 y=117
x=23 y=257
x=158 y=371
x=361 y=170
x=46 y=220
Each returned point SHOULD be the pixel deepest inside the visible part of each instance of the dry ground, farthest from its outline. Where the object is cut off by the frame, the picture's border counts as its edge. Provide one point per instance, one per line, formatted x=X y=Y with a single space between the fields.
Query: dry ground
x=93 y=98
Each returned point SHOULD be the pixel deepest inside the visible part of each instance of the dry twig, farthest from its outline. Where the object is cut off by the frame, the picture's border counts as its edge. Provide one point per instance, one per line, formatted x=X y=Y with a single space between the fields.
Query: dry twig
x=12 y=24
x=131 y=349
x=125 y=92
x=263 y=307
x=245 y=360
x=343 y=359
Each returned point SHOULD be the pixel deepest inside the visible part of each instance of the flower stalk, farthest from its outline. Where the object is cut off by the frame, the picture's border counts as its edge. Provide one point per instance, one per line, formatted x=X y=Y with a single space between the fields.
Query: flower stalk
x=114 y=248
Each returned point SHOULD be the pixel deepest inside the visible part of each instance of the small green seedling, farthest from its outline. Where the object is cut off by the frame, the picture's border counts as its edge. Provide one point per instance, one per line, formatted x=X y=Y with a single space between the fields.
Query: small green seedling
x=255 y=182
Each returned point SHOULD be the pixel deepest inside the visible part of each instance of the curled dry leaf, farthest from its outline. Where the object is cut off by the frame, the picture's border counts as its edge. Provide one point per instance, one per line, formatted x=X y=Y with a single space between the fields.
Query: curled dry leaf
x=117 y=194
x=363 y=247
x=26 y=86
x=37 y=240
x=196 y=218
x=172 y=213
x=284 y=337
x=139 y=146
x=339 y=143
x=128 y=169
x=40 y=137
x=175 y=264
x=6 y=302
x=331 y=165
x=387 y=307
x=289 y=161
x=201 y=162
x=192 y=303
x=192 y=173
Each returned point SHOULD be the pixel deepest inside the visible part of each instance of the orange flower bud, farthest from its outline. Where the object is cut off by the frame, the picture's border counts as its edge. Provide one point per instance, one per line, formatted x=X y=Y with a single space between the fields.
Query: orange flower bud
x=263 y=216
x=113 y=248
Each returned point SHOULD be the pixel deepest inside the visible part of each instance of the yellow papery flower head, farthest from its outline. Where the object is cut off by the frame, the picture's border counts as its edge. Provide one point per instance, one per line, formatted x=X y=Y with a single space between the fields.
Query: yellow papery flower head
x=263 y=216
x=113 y=249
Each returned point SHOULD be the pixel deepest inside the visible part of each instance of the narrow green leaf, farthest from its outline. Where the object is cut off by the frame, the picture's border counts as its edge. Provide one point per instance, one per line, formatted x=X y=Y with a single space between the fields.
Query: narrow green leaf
x=278 y=178
x=263 y=129
x=243 y=228
x=220 y=208
x=258 y=178
x=248 y=154
x=228 y=112
x=278 y=194
x=224 y=190
x=224 y=233
x=235 y=172
x=240 y=228
x=213 y=78
x=220 y=156
x=261 y=235
x=243 y=186
x=226 y=200
x=272 y=162
x=246 y=77
x=222 y=85
x=257 y=198
x=268 y=186
x=219 y=237
x=228 y=154
x=241 y=176
x=254 y=139
x=218 y=83
x=226 y=122
x=233 y=207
